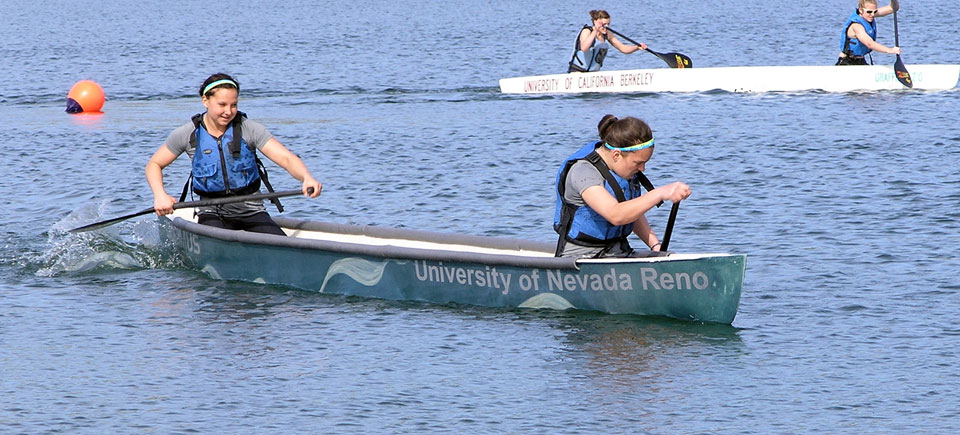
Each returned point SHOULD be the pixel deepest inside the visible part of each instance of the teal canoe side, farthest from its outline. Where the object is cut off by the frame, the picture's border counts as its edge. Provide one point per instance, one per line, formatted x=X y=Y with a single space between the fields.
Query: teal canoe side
x=705 y=289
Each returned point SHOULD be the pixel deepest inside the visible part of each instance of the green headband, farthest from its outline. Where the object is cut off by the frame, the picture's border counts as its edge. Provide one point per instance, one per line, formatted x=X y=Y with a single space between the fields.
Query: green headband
x=218 y=83
x=636 y=147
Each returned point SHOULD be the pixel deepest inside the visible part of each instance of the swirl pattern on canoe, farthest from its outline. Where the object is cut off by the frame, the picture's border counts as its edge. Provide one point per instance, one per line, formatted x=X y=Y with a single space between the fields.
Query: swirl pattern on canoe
x=368 y=273
x=210 y=270
x=547 y=300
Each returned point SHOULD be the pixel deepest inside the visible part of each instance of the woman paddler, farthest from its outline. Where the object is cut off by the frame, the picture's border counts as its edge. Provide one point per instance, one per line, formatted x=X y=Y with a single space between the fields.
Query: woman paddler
x=599 y=201
x=593 y=42
x=223 y=145
x=860 y=33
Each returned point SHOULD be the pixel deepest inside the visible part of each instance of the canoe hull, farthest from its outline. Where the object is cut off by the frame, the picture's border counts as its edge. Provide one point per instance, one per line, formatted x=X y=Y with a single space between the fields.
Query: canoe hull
x=699 y=289
x=738 y=79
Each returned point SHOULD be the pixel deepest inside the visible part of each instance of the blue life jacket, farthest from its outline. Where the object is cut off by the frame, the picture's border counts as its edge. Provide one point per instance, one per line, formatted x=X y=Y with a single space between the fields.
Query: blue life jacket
x=590 y=59
x=217 y=172
x=852 y=46
x=584 y=226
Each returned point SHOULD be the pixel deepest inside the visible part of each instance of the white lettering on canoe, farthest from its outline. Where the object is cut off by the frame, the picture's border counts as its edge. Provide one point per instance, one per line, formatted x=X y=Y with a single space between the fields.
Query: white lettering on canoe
x=559 y=280
x=190 y=242
x=651 y=280
x=488 y=277
x=611 y=281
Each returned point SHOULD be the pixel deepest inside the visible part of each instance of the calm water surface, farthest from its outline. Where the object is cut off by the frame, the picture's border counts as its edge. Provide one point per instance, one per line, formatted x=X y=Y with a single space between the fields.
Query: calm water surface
x=847 y=206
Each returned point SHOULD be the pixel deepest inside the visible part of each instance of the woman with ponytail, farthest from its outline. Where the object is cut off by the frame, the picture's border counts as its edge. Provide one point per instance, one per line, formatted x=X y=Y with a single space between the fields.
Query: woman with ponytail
x=599 y=198
x=593 y=42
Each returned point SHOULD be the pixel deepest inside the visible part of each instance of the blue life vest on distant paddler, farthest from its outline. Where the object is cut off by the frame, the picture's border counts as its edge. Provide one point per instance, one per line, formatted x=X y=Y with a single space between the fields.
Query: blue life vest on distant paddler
x=590 y=59
x=852 y=46
x=225 y=165
x=582 y=225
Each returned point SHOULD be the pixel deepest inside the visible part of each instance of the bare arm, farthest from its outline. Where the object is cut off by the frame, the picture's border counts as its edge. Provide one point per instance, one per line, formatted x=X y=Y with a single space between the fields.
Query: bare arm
x=587 y=36
x=887 y=10
x=162 y=202
x=624 y=48
x=629 y=212
x=642 y=229
x=862 y=36
x=280 y=155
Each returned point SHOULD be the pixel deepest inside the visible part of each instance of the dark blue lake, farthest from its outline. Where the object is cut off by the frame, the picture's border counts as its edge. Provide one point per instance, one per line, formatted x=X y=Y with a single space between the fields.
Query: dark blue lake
x=847 y=205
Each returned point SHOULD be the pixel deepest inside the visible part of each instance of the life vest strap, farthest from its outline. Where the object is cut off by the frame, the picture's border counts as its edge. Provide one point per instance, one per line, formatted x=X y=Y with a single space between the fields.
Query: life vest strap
x=575 y=65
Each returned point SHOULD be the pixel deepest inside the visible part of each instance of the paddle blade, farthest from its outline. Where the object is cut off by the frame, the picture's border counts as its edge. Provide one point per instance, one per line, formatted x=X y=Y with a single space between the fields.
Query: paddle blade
x=682 y=61
x=675 y=60
x=901 y=71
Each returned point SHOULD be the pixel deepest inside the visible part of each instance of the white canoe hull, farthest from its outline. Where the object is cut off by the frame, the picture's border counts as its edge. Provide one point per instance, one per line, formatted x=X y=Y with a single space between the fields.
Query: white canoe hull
x=737 y=79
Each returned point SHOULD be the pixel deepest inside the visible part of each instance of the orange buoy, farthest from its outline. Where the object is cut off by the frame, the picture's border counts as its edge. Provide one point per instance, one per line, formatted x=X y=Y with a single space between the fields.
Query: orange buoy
x=85 y=96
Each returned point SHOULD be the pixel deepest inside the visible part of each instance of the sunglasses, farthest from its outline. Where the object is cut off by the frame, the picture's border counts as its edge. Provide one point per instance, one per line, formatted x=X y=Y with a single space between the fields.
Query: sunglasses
x=871 y=12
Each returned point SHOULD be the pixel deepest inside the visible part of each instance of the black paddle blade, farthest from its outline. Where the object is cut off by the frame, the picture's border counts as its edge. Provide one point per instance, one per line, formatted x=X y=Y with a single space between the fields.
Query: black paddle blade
x=675 y=60
x=902 y=74
x=682 y=61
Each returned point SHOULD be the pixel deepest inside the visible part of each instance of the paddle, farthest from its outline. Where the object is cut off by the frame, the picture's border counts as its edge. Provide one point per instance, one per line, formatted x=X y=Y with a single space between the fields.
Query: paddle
x=669 y=230
x=901 y=71
x=189 y=204
x=675 y=60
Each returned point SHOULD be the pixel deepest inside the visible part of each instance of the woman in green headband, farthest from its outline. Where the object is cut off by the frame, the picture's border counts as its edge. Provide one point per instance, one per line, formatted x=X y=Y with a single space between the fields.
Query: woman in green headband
x=599 y=200
x=227 y=164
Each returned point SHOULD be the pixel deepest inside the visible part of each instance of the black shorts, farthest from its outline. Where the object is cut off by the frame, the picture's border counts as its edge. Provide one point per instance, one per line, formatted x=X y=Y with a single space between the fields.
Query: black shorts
x=257 y=223
x=851 y=61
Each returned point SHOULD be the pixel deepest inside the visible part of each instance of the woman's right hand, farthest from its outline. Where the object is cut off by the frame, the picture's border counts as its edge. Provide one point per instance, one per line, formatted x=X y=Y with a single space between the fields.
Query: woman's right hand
x=674 y=192
x=163 y=204
x=599 y=27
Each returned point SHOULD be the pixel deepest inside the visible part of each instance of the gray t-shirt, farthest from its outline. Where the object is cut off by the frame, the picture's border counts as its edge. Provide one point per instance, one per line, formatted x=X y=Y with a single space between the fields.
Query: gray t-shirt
x=581 y=176
x=254 y=133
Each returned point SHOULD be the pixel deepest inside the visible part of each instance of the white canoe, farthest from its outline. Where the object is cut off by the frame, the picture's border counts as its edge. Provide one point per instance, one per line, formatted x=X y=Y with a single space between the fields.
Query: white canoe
x=737 y=79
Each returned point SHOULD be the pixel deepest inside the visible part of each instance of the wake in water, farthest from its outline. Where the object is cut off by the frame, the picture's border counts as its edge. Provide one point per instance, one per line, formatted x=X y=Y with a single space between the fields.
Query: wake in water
x=127 y=245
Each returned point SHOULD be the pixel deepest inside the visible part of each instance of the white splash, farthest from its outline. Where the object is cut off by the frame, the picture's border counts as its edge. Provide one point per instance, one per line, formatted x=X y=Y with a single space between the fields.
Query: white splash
x=112 y=260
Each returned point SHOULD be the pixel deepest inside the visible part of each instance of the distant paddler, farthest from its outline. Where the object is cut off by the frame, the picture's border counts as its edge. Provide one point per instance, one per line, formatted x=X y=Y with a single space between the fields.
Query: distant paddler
x=860 y=33
x=594 y=41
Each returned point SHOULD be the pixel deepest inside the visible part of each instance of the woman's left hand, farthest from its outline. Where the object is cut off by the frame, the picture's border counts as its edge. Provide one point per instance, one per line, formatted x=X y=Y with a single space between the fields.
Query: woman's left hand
x=311 y=188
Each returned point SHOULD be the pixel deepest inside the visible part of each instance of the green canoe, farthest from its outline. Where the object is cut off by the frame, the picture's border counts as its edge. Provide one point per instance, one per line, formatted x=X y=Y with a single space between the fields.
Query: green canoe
x=401 y=264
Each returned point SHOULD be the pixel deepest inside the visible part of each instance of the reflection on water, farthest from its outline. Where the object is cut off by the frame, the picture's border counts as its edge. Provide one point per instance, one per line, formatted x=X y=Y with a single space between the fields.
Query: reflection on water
x=626 y=352
x=87 y=119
